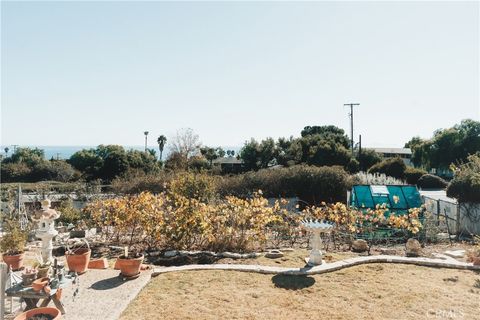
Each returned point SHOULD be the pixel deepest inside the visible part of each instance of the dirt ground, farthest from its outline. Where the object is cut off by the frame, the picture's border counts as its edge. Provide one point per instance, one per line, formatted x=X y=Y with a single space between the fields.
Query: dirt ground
x=376 y=292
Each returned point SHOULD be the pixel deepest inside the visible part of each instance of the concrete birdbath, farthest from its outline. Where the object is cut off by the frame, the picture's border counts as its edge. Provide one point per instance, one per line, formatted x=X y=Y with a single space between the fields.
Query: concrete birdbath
x=316 y=227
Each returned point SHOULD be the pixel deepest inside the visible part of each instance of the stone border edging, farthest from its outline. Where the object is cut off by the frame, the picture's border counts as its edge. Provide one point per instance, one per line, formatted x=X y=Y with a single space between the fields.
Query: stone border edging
x=325 y=267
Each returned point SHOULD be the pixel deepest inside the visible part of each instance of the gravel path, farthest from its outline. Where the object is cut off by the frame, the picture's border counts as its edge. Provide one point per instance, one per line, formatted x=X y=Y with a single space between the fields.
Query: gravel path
x=102 y=295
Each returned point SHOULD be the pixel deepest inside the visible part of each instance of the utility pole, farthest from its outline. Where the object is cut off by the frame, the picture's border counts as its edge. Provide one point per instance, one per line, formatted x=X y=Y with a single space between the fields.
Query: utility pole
x=146 y=135
x=360 y=151
x=351 y=121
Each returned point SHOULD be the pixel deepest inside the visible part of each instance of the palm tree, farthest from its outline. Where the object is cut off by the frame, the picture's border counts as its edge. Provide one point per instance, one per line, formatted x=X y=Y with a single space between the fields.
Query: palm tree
x=162 y=140
x=146 y=135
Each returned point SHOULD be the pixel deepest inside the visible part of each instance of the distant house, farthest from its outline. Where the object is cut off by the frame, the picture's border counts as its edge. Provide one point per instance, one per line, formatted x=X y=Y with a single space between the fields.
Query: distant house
x=229 y=164
x=404 y=153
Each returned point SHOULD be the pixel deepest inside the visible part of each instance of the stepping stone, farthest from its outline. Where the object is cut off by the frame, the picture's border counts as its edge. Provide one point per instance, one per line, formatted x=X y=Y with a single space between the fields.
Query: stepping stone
x=457 y=254
x=274 y=254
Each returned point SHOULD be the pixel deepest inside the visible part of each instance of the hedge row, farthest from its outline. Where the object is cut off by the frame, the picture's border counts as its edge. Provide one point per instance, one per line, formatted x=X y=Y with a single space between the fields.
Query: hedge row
x=310 y=183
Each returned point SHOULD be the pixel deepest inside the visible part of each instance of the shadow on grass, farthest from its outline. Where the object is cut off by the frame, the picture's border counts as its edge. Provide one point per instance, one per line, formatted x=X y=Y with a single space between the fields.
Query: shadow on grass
x=107 y=284
x=292 y=282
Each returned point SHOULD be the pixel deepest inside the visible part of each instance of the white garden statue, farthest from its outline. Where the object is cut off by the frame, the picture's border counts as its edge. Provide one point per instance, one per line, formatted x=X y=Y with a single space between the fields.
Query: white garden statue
x=45 y=217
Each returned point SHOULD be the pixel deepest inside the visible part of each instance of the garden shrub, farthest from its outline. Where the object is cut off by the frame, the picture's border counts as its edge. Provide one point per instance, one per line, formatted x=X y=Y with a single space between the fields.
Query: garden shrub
x=12 y=172
x=465 y=185
x=413 y=174
x=171 y=220
x=353 y=166
x=393 y=167
x=68 y=213
x=375 y=178
x=191 y=185
x=430 y=181
x=137 y=181
x=310 y=183
x=14 y=240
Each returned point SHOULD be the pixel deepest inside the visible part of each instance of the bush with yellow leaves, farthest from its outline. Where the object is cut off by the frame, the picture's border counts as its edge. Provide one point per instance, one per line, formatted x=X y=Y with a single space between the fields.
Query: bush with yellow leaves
x=172 y=221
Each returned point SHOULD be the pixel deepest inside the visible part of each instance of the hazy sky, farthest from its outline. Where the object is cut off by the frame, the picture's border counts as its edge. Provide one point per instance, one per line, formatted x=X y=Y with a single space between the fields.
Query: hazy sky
x=89 y=73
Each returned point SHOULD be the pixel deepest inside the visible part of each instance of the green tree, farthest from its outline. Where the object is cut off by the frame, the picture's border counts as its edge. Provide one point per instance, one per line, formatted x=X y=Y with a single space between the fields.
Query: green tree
x=415 y=141
x=393 y=167
x=249 y=155
x=89 y=162
x=447 y=146
x=328 y=132
x=109 y=161
x=322 y=151
x=162 y=140
x=368 y=158
x=212 y=153
x=289 y=151
x=29 y=156
x=465 y=185
x=258 y=155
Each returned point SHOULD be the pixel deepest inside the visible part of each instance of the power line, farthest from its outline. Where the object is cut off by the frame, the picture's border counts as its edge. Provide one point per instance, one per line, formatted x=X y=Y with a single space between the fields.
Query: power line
x=351 y=121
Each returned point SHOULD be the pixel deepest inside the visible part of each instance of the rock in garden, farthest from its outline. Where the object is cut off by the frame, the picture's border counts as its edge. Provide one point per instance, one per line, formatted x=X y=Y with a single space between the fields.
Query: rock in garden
x=413 y=248
x=360 y=245
x=388 y=251
x=170 y=253
x=274 y=254
x=443 y=236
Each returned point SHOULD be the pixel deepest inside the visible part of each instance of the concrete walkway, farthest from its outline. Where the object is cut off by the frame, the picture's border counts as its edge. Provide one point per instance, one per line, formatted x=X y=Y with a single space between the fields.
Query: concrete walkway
x=326 y=267
x=101 y=295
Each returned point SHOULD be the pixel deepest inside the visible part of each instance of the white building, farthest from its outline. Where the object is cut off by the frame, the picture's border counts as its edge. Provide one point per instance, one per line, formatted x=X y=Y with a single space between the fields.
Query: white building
x=404 y=153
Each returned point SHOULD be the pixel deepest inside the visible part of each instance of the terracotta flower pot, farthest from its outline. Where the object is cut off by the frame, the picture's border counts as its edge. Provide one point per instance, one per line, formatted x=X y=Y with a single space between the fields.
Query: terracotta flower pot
x=27 y=279
x=52 y=312
x=129 y=267
x=14 y=261
x=43 y=272
x=77 y=260
x=39 y=284
x=98 y=264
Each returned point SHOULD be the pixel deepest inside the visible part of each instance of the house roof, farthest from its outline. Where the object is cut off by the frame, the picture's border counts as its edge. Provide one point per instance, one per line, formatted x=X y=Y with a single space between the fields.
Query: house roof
x=393 y=150
x=227 y=160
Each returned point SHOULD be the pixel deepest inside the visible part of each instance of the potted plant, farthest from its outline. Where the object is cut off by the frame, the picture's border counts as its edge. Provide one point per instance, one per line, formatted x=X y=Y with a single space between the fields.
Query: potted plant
x=28 y=276
x=43 y=269
x=78 y=257
x=129 y=263
x=13 y=244
x=40 y=313
x=129 y=220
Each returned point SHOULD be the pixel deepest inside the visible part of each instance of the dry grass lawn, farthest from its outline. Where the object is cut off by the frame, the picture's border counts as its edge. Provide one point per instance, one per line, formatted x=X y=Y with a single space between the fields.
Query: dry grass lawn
x=375 y=291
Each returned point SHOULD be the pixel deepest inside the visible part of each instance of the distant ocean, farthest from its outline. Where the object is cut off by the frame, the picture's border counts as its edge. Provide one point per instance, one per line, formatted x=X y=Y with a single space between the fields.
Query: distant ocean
x=65 y=152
